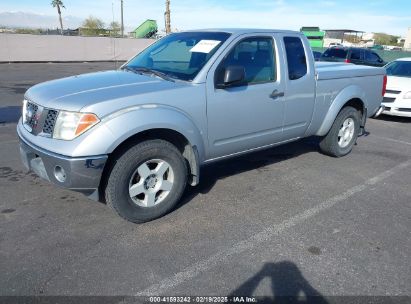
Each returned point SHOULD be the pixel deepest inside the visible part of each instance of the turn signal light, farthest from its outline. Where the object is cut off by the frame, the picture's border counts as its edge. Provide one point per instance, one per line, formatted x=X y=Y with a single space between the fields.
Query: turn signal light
x=86 y=121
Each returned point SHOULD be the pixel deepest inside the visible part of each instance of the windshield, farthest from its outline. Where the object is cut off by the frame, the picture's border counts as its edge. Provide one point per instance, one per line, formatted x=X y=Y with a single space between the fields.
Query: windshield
x=399 y=68
x=179 y=55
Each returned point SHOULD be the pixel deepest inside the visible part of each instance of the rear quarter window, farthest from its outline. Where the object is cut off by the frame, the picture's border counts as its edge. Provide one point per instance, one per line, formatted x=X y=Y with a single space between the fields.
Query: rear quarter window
x=296 y=60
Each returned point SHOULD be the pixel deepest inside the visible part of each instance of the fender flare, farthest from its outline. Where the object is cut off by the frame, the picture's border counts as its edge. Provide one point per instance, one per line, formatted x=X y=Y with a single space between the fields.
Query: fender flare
x=349 y=93
x=145 y=118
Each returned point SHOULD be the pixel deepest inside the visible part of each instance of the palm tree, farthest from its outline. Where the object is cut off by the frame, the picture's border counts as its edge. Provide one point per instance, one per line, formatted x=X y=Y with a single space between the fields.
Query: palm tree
x=167 y=17
x=59 y=4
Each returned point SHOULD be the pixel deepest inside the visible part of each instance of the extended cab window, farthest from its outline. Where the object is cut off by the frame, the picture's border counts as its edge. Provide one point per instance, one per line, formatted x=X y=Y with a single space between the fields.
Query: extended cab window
x=297 y=63
x=256 y=55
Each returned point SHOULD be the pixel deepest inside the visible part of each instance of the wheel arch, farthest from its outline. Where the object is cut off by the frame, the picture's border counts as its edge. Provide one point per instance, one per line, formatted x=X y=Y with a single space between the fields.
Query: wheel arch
x=155 y=123
x=353 y=96
x=189 y=152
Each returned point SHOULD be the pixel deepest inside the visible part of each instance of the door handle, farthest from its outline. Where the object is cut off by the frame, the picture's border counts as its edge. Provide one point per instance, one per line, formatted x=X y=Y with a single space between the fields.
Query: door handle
x=275 y=94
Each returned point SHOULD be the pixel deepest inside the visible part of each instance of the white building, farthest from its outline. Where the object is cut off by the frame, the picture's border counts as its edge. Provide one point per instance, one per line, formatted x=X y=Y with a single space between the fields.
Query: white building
x=407 y=43
x=368 y=36
x=401 y=40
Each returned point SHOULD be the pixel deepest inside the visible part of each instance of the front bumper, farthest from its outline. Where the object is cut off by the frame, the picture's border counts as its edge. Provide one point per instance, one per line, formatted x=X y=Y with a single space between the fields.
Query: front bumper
x=82 y=174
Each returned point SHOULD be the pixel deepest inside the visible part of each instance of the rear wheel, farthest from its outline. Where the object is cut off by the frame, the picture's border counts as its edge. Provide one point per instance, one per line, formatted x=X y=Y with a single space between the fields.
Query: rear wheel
x=343 y=134
x=146 y=181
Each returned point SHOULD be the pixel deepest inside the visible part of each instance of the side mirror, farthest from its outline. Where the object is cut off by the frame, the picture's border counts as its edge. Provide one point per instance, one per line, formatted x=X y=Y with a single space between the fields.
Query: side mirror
x=233 y=75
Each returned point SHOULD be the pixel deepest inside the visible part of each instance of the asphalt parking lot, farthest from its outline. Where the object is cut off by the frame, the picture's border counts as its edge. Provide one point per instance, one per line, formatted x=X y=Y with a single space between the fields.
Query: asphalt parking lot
x=286 y=221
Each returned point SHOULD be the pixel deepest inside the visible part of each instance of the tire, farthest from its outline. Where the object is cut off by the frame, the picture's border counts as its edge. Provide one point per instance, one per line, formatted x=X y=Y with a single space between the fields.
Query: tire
x=343 y=133
x=153 y=166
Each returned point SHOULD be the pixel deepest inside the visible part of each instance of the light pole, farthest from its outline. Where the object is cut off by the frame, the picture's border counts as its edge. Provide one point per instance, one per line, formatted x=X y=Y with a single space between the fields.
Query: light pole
x=167 y=17
x=122 y=20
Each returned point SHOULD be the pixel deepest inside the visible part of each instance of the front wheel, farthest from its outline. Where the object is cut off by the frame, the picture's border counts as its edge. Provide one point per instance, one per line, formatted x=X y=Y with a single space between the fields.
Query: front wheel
x=343 y=133
x=146 y=181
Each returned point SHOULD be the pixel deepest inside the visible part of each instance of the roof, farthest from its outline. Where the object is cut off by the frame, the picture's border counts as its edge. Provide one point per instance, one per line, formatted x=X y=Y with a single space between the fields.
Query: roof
x=310 y=33
x=244 y=30
x=342 y=47
x=346 y=47
x=344 y=30
x=310 y=29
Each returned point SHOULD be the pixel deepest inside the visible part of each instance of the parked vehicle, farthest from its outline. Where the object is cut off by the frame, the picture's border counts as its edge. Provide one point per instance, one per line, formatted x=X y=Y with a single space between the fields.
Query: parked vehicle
x=138 y=135
x=317 y=55
x=397 y=99
x=352 y=55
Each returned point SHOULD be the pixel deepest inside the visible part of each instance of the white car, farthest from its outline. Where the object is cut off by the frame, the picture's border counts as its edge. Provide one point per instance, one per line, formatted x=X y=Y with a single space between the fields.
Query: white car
x=397 y=98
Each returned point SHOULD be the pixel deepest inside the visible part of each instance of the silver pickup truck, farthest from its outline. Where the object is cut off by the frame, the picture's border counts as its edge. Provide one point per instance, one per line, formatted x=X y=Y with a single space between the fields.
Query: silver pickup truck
x=134 y=137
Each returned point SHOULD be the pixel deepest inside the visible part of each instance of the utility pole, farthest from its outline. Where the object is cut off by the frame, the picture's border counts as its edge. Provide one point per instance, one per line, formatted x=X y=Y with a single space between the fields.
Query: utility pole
x=167 y=17
x=122 y=20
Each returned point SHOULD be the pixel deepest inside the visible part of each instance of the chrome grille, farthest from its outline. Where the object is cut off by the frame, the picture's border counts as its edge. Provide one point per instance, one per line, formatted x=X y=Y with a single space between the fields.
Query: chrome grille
x=39 y=120
x=32 y=116
x=50 y=121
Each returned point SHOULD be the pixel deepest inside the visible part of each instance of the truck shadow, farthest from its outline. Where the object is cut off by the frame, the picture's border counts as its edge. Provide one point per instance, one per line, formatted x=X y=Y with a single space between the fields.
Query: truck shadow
x=210 y=174
x=394 y=118
x=287 y=285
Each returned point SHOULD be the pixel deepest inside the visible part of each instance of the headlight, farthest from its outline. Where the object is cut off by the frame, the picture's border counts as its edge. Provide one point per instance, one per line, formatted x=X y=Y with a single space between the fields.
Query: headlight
x=69 y=125
x=24 y=111
x=407 y=95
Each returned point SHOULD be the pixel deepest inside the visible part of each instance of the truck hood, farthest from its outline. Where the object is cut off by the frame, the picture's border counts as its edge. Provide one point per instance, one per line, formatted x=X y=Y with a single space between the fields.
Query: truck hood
x=76 y=92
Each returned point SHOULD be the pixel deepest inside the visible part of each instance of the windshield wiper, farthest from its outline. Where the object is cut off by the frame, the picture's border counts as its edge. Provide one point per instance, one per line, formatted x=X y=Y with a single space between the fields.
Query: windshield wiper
x=127 y=68
x=142 y=70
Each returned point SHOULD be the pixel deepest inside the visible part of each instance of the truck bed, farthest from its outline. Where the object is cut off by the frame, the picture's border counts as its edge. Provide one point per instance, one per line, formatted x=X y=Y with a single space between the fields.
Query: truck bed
x=334 y=70
x=337 y=83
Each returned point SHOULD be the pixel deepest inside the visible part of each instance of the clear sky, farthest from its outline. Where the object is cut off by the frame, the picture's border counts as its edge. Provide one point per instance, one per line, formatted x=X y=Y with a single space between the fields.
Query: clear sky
x=393 y=17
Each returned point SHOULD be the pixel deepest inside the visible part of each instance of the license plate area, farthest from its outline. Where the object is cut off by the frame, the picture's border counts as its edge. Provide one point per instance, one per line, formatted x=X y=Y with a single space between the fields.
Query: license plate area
x=33 y=162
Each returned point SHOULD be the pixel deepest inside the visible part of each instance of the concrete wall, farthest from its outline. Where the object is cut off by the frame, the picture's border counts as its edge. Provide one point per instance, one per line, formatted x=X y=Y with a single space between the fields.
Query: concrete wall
x=21 y=47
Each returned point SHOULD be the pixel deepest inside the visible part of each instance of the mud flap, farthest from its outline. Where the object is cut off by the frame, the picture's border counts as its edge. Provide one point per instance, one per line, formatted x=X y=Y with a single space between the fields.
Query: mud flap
x=363 y=131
